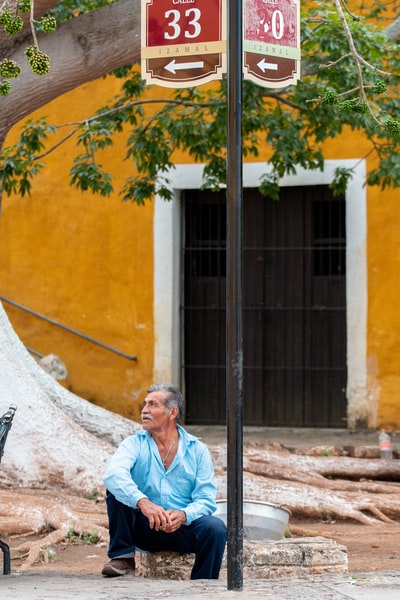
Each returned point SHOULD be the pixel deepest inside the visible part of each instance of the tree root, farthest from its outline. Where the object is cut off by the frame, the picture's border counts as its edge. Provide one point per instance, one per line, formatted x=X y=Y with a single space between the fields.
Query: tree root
x=61 y=513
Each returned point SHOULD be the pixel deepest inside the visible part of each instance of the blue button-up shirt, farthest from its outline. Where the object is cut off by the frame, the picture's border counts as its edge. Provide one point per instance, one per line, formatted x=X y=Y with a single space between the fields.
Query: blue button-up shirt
x=136 y=471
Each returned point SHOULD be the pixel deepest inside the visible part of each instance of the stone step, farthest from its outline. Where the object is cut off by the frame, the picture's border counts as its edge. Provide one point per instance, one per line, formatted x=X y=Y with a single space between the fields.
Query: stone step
x=261 y=559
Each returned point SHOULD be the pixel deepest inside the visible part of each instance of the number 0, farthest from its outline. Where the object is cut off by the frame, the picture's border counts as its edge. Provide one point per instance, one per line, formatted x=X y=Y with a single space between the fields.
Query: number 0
x=277 y=24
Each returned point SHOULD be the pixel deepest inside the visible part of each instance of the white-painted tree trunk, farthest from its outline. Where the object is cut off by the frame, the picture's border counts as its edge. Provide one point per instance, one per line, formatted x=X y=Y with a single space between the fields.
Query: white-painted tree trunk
x=56 y=437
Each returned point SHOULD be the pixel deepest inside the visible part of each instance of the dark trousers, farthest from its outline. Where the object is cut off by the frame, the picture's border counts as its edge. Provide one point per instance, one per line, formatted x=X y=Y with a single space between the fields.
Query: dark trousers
x=205 y=537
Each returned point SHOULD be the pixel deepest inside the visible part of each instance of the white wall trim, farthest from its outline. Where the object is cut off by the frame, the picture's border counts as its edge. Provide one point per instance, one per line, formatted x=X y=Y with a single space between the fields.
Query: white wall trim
x=167 y=244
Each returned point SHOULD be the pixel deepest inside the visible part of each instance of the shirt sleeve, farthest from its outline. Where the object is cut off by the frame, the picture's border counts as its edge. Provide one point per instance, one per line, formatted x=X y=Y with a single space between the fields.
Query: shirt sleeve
x=204 y=491
x=117 y=477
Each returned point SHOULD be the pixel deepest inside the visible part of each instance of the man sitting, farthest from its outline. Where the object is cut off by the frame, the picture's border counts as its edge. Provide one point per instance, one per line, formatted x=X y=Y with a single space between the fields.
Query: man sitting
x=161 y=492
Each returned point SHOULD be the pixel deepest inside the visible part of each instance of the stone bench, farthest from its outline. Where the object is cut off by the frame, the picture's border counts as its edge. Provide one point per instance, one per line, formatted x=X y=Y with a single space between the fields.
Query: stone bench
x=163 y=565
x=261 y=560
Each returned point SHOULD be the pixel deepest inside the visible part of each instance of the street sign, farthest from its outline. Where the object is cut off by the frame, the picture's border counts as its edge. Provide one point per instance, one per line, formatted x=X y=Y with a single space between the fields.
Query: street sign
x=272 y=42
x=183 y=41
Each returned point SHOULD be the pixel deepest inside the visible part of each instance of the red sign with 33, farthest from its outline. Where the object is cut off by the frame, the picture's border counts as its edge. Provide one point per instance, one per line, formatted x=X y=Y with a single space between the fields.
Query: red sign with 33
x=182 y=21
x=183 y=41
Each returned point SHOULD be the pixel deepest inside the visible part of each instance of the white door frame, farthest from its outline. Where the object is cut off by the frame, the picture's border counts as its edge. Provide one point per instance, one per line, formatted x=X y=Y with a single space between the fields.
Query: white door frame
x=167 y=272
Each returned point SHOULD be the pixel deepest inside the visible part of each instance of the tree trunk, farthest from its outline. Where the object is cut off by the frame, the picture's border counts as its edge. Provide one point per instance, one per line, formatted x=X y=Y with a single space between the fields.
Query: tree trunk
x=56 y=439
x=80 y=50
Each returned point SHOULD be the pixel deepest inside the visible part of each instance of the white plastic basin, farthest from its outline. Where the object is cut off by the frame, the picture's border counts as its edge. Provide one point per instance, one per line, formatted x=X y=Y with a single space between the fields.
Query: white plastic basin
x=261 y=520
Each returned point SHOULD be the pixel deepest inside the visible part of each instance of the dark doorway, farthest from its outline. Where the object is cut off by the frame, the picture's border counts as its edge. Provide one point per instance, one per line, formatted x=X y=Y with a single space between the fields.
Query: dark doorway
x=294 y=308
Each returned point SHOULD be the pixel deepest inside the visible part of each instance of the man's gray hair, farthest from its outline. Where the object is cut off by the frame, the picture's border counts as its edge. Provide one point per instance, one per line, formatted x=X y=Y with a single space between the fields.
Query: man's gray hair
x=173 y=399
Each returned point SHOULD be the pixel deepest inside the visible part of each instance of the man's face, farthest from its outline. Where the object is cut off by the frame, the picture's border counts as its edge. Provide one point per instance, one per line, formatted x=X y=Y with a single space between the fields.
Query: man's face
x=154 y=414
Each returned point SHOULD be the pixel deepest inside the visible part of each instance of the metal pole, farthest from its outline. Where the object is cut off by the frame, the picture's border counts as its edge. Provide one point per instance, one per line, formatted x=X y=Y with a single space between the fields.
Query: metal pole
x=234 y=352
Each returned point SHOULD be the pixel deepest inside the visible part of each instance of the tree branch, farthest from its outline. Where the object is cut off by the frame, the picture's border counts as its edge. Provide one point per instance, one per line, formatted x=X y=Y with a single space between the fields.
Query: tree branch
x=82 y=49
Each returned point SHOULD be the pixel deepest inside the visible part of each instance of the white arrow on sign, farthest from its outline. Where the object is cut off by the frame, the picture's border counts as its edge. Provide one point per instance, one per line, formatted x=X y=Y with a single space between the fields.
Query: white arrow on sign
x=266 y=66
x=173 y=66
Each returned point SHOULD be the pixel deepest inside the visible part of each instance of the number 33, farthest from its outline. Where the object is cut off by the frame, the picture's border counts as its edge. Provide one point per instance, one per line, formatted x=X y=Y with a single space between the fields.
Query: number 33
x=175 y=15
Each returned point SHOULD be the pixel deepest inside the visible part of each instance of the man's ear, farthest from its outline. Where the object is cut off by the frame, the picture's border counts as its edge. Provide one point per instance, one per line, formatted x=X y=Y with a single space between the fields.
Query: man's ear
x=174 y=412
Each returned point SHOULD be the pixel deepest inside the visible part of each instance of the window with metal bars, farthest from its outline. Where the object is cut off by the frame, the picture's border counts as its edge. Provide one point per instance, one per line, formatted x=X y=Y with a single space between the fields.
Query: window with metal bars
x=329 y=237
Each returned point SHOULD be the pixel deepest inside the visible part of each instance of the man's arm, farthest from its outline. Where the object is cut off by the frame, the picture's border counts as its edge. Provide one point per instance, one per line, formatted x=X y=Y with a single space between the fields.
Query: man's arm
x=204 y=491
x=117 y=477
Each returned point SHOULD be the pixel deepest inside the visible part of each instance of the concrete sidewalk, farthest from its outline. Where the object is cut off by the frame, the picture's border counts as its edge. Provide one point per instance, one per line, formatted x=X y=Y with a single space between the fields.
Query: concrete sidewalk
x=61 y=586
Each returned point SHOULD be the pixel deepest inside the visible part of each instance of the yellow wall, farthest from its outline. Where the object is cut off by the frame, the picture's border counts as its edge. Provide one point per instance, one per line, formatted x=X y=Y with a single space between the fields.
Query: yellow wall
x=383 y=303
x=383 y=295
x=87 y=262
x=383 y=266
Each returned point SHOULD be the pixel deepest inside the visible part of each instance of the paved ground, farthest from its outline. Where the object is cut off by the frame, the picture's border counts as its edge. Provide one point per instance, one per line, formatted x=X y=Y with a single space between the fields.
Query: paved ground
x=57 y=586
